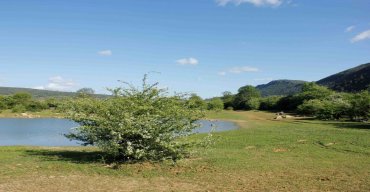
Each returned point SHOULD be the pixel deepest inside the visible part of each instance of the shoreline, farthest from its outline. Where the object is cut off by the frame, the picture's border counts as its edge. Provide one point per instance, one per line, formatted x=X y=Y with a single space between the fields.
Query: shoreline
x=31 y=115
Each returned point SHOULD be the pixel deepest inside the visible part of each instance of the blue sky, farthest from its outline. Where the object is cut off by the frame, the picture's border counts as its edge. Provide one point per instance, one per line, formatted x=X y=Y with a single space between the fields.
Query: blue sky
x=200 y=46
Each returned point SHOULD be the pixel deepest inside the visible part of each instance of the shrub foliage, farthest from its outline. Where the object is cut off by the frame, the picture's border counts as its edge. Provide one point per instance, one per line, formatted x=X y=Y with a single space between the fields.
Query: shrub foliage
x=136 y=123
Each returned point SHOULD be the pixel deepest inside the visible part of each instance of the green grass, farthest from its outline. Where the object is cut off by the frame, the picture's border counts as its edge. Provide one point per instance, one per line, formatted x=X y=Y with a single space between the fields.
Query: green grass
x=263 y=155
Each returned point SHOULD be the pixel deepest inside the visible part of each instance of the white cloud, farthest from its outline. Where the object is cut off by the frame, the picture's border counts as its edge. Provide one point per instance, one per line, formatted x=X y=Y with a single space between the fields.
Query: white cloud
x=257 y=3
x=238 y=70
x=350 y=28
x=243 y=69
x=39 y=87
x=58 y=83
x=105 y=53
x=188 y=61
x=361 y=36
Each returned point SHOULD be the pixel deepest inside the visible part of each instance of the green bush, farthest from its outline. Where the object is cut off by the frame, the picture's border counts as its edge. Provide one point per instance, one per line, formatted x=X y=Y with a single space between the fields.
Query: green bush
x=3 y=104
x=247 y=98
x=136 y=124
x=215 y=104
x=252 y=104
x=360 y=106
x=333 y=107
x=269 y=103
x=228 y=99
x=22 y=98
x=19 y=109
x=36 y=106
x=195 y=101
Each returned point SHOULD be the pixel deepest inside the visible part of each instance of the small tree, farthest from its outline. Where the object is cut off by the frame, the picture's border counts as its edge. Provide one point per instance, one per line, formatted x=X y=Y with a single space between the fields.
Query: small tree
x=252 y=104
x=197 y=102
x=333 y=107
x=269 y=103
x=85 y=92
x=215 y=104
x=136 y=124
x=3 y=104
x=360 y=105
x=228 y=99
x=245 y=94
x=314 y=91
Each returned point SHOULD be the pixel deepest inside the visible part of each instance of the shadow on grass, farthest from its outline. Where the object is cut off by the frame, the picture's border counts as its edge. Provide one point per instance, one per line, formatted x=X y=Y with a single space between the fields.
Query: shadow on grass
x=81 y=157
x=351 y=125
x=336 y=124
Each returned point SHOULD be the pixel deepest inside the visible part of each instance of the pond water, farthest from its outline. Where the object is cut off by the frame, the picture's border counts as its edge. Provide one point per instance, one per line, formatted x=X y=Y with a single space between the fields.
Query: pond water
x=50 y=131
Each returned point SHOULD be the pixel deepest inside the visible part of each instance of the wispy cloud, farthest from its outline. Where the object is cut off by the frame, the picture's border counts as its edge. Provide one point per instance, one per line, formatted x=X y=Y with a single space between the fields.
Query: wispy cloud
x=58 y=83
x=188 y=61
x=243 y=69
x=105 y=52
x=238 y=70
x=361 y=36
x=350 y=28
x=222 y=73
x=257 y=3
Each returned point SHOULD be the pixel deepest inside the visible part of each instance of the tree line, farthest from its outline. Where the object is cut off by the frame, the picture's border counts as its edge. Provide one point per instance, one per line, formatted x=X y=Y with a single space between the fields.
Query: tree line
x=24 y=101
x=312 y=100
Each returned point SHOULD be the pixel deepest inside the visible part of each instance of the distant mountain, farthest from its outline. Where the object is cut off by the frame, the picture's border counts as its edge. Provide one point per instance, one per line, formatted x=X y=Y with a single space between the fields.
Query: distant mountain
x=281 y=87
x=37 y=93
x=351 y=80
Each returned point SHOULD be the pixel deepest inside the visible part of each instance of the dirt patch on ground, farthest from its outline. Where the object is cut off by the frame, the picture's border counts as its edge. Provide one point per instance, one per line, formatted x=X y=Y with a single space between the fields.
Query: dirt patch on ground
x=280 y=150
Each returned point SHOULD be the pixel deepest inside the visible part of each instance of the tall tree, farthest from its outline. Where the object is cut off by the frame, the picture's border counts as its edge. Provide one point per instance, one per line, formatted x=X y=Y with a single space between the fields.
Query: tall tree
x=244 y=97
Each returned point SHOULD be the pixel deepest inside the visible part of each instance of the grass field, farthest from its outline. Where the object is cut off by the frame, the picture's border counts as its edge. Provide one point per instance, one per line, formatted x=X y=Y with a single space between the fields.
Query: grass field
x=263 y=155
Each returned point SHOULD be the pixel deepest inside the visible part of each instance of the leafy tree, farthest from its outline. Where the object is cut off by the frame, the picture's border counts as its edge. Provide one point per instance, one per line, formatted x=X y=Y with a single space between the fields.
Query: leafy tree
x=215 y=104
x=269 y=103
x=360 y=105
x=8 y=102
x=252 y=103
x=85 y=92
x=314 y=91
x=52 y=102
x=3 y=104
x=228 y=99
x=243 y=96
x=22 y=98
x=36 y=106
x=334 y=106
x=19 y=109
x=197 y=102
x=136 y=124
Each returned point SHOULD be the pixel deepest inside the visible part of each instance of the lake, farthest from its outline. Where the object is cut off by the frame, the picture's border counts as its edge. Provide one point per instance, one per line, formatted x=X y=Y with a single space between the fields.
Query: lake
x=49 y=131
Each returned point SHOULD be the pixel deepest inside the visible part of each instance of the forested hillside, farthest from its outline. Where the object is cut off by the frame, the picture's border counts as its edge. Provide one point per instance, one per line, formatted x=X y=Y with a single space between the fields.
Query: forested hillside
x=281 y=87
x=351 y=80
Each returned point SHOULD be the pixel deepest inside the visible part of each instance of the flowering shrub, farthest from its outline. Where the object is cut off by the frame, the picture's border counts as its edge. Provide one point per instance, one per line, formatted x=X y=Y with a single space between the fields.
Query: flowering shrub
x=136 y=123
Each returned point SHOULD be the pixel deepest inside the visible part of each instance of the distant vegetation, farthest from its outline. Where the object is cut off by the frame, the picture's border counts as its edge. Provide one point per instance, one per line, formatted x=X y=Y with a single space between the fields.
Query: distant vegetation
x=281 y=87
x=37 y=93
x=23 y=102
x=351 y=80
x=312 y=100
